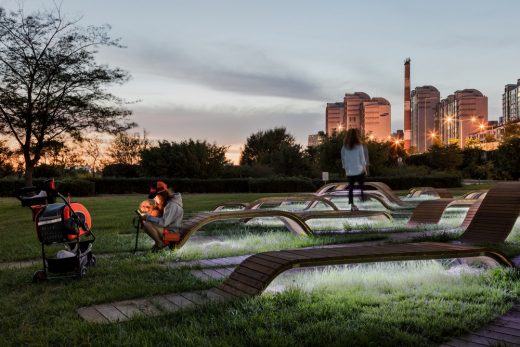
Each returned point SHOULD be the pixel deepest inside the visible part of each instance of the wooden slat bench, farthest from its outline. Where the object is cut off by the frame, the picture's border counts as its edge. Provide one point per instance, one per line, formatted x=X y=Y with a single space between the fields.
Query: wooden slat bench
x=311 y=199
x=294 y=221
x=442 y=193
x=491 y=222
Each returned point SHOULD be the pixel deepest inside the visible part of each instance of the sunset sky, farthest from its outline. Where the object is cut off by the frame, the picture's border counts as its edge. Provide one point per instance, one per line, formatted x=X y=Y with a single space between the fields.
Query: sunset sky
x=221 y=70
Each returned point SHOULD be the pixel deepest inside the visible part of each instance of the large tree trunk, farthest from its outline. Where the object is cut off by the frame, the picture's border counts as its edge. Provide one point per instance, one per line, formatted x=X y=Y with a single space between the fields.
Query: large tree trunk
x=28 y=176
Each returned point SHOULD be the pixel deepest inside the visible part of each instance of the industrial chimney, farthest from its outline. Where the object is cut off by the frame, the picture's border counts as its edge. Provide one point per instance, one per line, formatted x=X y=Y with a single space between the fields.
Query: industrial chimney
x=407 y=109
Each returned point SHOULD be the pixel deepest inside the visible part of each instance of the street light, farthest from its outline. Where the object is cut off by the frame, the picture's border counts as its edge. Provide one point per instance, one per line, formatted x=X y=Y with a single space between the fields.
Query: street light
x=424 y=119
x=450 y=119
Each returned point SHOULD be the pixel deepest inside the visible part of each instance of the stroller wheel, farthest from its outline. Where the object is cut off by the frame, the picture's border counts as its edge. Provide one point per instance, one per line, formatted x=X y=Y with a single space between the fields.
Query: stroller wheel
x=39 y=276
x=83 y=272
x=92 y=261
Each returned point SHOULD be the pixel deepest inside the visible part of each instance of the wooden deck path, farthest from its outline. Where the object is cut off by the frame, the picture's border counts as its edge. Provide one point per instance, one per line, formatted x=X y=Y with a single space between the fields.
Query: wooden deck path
x=503 y=331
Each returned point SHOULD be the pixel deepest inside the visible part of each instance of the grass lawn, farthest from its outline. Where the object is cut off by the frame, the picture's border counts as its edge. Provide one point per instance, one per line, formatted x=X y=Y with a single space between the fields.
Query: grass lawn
x=412 y=303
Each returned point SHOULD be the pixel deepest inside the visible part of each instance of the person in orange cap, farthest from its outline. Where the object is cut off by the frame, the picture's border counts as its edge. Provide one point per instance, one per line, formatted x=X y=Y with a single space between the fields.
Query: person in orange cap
x=170 y=204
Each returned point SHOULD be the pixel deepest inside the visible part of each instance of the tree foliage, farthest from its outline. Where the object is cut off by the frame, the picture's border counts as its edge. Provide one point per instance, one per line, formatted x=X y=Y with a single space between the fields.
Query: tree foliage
x=277 y=149
x=447 y=157
x=193 y=159
x=50 y=84
x=508 y=158
x=6 y=167
x=127 y=148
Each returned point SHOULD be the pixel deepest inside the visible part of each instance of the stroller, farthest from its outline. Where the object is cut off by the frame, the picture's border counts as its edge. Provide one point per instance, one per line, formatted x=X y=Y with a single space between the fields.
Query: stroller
x=66 y=223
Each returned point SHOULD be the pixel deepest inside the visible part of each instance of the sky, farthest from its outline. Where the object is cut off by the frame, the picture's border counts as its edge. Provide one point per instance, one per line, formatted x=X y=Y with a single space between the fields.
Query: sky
x=222 y=70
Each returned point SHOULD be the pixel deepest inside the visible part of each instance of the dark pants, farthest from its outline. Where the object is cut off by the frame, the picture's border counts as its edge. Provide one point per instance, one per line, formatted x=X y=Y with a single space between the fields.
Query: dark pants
x=351 y=180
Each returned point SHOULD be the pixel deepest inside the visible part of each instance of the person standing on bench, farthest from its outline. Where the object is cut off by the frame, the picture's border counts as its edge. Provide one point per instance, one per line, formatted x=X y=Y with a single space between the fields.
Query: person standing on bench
x=354 y=161
x=172 y=213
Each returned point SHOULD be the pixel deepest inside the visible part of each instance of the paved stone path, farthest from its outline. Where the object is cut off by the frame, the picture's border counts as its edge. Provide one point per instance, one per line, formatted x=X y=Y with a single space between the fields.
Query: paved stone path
x=503 y=331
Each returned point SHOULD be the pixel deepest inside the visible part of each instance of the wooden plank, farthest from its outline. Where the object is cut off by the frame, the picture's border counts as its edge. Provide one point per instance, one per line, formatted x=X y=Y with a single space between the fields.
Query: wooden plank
x=223 y=294
x=246 y=288
x=195 y=297
x=497 y=336
x=458 y=342
x=232 y=290
x=251 y=282
x=90 y=314
x=111 y=313
x=253 y=274
x=504 y=330
x=259 y=265
x=178 y=300
x=164 y=304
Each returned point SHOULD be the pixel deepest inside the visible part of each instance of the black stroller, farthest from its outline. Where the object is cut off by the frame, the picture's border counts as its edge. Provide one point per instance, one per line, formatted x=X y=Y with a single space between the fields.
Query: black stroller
x=67 y=223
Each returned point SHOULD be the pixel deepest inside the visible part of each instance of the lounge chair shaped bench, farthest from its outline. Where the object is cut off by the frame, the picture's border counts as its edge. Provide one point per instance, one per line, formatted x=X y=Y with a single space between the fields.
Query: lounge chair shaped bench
x=294 y=221
x=491 y=223
x=380 y=187
x=439 y=192
x=310 y=199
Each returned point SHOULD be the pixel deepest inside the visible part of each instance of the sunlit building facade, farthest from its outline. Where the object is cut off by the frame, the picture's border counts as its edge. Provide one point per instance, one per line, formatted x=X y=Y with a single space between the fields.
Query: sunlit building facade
x=424 y=102
x=371 y=115
x=377 y=119
x=334 y=115
x=461 y=114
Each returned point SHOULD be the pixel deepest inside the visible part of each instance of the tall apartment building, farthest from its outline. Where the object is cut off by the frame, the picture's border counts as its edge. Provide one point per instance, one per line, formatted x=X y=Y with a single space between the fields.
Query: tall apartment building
x=358 y=110
x=424 y=101
x=354 y=110
x=511 y=103
x=377 y=119
x=334 y=114
x=461 y=114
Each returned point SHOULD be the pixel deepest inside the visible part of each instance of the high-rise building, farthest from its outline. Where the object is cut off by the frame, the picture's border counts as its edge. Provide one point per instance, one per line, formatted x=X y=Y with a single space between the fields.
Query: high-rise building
x=371 y=116
x=334 y=114
x=377 y=118
x=354 y=110
x=511 y=103
x=424 y=105
x=461 y=114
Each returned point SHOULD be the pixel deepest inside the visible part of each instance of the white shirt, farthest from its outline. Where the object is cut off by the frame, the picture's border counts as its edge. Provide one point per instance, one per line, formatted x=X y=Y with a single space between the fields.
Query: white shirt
x=353 y=160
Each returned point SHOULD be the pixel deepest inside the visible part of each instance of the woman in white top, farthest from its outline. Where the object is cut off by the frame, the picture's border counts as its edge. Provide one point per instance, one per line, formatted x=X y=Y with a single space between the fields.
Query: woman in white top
x=354 y=161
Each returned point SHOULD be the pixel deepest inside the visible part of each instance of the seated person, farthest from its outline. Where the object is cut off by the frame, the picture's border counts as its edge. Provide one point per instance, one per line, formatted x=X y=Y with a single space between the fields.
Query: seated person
x=172 y=213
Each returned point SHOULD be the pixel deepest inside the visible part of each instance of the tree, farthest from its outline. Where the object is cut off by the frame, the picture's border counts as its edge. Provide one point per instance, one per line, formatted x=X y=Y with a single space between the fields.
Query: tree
x=277 y=149
x=511 y=130
x=6 y=167
x=447 y=157
x=127 y=149
x=507 y=157
x=194 y=159
x=93 y=151
x=50 y=84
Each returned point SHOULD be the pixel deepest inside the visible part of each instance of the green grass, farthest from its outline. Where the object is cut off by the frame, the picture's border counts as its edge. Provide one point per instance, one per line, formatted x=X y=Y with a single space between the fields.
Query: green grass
x=406 y=304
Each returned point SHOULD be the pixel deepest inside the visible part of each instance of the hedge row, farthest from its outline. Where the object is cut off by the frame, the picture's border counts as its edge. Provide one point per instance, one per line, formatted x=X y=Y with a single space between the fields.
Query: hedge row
x=231 y=185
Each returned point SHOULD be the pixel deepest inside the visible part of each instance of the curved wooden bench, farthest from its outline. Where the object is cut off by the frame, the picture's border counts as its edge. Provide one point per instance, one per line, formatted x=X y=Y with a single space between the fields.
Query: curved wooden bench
x=491 y=222
x=442 y=193
x=294 y=221
x=255 y=273
x=311 y=199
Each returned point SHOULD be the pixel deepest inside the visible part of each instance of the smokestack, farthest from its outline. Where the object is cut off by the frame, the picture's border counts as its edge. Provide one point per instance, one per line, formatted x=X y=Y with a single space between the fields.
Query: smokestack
x=407 y=109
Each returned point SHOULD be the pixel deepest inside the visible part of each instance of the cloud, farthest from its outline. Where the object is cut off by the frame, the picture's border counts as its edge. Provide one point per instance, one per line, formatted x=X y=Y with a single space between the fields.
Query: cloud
x=233 y=68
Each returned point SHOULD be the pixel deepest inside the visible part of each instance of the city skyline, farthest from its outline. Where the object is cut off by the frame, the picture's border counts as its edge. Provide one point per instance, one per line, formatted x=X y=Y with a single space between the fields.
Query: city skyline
x=222 y=71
